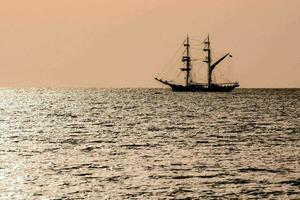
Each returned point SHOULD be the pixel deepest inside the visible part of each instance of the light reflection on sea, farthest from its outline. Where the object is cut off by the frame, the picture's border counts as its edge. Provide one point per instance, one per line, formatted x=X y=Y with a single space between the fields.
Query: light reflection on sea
x=149 y=144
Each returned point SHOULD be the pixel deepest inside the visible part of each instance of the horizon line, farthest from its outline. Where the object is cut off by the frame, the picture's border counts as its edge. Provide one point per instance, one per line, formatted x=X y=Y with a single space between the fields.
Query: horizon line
x=95 y=87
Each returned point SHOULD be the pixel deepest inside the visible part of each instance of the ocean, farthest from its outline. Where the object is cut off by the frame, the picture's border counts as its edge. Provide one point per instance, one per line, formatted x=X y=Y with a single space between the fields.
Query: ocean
x=149 y=144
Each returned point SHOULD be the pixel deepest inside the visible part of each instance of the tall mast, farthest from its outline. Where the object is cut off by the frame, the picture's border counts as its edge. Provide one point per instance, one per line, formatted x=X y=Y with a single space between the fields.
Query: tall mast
x=187 y=60
x=208 y=61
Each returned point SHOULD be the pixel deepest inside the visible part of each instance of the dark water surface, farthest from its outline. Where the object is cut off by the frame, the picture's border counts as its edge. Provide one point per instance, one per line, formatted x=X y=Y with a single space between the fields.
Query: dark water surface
x=149 y=144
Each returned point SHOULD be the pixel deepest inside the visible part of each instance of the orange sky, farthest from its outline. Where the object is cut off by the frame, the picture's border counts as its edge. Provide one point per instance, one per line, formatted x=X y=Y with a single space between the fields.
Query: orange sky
x=114 y=43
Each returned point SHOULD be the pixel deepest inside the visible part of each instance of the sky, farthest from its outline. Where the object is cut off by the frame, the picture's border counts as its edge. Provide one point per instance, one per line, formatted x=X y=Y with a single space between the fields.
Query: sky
x=113 y=43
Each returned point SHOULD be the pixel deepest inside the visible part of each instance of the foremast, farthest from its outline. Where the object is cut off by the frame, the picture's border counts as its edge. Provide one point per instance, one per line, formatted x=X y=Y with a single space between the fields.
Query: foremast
x=187 y=60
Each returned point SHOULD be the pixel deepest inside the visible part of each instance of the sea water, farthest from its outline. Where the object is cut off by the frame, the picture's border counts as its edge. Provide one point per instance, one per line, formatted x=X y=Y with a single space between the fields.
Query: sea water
x=149 y=144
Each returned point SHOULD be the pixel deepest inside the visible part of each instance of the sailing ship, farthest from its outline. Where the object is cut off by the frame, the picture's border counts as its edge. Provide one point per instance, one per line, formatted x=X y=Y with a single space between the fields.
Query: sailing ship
x=190 y=85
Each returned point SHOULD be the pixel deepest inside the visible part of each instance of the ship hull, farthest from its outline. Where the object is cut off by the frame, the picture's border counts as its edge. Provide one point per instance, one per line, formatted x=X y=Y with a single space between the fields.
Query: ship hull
x=200 y=87
x=203 y=88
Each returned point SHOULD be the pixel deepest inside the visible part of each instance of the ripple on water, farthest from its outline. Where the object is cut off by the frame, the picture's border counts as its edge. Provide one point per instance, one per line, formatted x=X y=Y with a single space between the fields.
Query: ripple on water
x=149 y=144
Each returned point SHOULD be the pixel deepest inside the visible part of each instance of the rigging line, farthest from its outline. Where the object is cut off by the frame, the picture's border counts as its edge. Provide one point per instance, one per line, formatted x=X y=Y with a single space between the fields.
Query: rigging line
x=177 y=75
x=172 y=58
x=172 y=70
x=197 y=74
x=222 y=78
x=229 y=75
x=199 y=40
x=214 y=77
x=221 y=75
x=197 y=45
x=171 y=73
x=193 y=48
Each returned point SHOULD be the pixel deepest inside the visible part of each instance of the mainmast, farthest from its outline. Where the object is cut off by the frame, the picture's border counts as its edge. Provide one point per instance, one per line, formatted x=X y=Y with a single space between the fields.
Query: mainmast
x=211 y=67
x=187 y=60
x=208 y=60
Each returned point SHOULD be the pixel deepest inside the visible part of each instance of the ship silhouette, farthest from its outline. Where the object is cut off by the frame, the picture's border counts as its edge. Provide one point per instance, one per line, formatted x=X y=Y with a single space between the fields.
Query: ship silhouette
x=190 y=85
